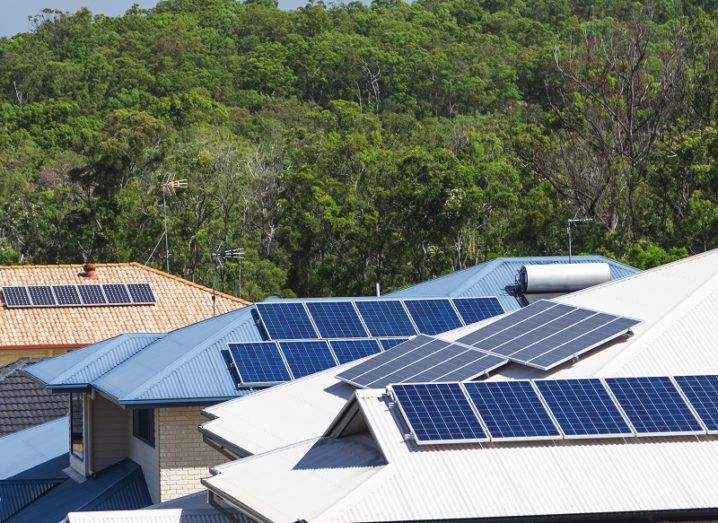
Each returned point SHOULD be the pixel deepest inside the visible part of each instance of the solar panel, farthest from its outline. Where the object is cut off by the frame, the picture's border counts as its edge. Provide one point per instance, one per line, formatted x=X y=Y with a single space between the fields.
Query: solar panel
x=702 y=393
x=433 y=316
x=388 y=343
x=654 y=405
x=438 y=412
x=67 y=295
x=16 y=297
x=583 y=408
x=259 y=363
x=286 y=321
x=508 y=321
x=459 y=363
x=350 y=350
x=307 y=357
x=41 y=296
x=511 y=410
x=477 y=309
x=116 y=293
x=336 y=319
x=92 y=295
x=385 y=318
x=141 y=293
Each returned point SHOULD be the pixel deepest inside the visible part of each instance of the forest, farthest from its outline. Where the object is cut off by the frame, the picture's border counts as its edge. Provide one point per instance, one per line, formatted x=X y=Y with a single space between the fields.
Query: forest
x=344 y=145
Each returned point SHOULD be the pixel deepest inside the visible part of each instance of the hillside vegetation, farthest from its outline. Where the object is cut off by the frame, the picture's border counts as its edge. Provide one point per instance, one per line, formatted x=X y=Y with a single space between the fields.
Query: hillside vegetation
x=341 y=146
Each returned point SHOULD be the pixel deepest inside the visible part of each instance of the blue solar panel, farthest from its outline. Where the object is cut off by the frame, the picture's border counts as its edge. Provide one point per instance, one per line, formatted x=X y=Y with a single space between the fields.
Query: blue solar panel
x=511 y=410
x=654 y=405
x=336 y=319
x=92 y=295
x=116 y=293
x=702 y=392
x=388 y=343
x=67 y=295
x=16 y=296
x=141 y=293
x=385 y=318
x=583 y=408
x=41 y=296
x=259 y=363
x=477 y=309
x=286 y=321
x=438 y=412
x=350 y=350
x=433 y=316
x=307 y=357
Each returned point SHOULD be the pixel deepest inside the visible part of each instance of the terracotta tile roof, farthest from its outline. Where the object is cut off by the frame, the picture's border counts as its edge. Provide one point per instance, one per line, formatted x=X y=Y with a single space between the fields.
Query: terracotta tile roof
x=25 y=403
x=179 y=303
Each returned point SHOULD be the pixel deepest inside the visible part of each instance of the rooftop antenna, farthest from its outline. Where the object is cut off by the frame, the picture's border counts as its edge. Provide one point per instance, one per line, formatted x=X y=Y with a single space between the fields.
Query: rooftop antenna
x=219 y=257
x=569 y=223
x=169 y=187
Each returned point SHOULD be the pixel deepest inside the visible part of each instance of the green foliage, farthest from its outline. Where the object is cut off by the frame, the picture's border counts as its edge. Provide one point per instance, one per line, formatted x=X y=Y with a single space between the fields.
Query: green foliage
x=345 y=145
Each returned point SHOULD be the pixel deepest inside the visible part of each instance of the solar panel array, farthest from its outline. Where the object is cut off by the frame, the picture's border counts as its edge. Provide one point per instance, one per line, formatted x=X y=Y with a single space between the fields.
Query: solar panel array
x=558 y=409
x=546 y=334
x=31 y=296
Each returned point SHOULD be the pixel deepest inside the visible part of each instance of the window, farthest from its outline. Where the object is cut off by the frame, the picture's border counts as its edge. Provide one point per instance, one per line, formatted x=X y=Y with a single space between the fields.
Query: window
x=143 y=425
x=77 y=440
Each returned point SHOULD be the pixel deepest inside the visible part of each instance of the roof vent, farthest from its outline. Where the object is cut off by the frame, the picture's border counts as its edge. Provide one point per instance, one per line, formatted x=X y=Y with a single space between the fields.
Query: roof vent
x=89 y=271
x=561 y=277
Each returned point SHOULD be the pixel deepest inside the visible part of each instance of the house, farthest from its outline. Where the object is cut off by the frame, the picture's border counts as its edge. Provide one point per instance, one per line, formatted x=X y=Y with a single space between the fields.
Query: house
x=139 y=396
x=39 y=326
x=361 y=466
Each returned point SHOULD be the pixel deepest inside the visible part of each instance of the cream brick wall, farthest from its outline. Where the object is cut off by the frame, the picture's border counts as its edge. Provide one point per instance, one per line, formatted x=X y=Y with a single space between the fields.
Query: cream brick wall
x=184 y=457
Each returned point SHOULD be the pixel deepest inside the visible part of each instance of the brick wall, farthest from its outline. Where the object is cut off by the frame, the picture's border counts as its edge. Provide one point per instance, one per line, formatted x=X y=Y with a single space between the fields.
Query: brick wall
x=184 y=457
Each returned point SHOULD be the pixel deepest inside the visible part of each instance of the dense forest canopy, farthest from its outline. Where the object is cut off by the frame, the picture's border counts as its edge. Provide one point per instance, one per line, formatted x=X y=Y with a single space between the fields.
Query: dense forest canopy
x=344 y=145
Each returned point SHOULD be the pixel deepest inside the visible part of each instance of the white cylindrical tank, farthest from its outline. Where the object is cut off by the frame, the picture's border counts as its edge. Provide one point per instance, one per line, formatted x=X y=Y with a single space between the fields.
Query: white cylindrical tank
x=562 y=277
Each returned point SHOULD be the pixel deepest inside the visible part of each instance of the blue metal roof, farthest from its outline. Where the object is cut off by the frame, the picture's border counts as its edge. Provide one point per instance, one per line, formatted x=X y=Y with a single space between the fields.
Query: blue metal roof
x=187 y=366
x=497 y=278
x=23 y=450
x=18 y=494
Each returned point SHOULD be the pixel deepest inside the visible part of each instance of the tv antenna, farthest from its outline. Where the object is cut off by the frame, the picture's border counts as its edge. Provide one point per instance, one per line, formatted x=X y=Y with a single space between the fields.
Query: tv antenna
x=169 y=188
x=219 y=258
x=569 y=224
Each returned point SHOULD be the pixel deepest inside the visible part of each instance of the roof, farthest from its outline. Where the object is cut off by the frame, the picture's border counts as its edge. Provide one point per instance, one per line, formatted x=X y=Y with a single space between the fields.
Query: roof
x=678 y=304
x=179 y=302
x=497 y=278
x=25 y=403
x=119 y=487
x=31 y=449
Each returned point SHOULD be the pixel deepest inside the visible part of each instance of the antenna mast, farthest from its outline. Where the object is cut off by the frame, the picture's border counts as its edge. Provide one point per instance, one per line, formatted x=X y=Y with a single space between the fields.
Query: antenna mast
x=569 y=223
x=220 y=256
x=169 y=186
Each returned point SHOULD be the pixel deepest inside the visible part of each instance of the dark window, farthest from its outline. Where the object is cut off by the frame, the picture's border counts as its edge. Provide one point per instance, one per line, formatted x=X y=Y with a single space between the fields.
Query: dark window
x=143 y=425
x=77 y=440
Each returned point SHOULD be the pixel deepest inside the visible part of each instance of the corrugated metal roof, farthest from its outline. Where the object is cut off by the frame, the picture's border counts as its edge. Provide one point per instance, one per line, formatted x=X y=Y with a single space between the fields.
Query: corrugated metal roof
x=32 y=447
x=497 y=278
x=17 y=494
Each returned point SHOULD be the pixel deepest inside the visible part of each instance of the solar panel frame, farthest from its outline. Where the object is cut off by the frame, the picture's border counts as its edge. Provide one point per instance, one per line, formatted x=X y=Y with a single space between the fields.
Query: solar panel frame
x=347 y=350
x=701 y=393
x=305 y=357
x=512 y=410
x=91 y=295
x=464 y=423
x=41 y=296
x=116 y=294
x=336 y=319
x=625 y=392
x=62 y=295
x=563 y=406
x=386 y=318
x=246 y=370
x=429 y=317
x=300 y=321
x=473 y=310
x=141 y=293
x=16 y=297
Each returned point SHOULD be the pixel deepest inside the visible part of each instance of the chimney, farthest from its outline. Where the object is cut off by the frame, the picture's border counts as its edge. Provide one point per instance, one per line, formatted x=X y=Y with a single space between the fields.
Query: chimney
x=89 y=271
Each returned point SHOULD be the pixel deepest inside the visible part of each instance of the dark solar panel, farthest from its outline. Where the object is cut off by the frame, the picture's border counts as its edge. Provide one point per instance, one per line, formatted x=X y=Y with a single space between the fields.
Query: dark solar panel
x=350 y=350
x=438 y=412
x=116 y=293
x=258 y=363
x=702 y=392
x=510 y=321
x=307 y=357
x=385 y=318
x=336 y=319
x=16 y=296
x=654 y=405
x=433 y=316
x=41 y=296
x=141 y=293
x=286 y=321
x=477 y=309
x=388 y=343
x=67 y=295
x=583 y=408
x=511 y=410
x=92 y=295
